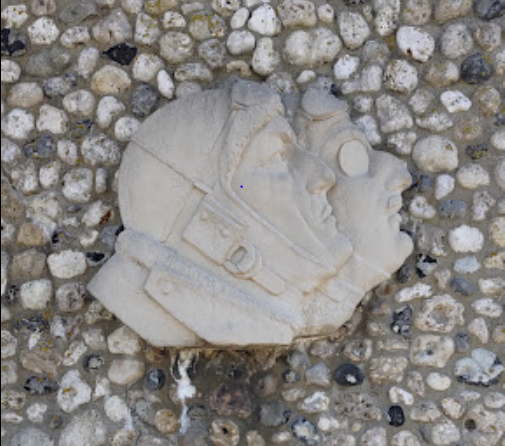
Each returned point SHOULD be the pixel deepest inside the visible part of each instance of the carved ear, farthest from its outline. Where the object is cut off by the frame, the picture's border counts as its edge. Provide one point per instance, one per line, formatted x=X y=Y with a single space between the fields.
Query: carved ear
x=353 y=158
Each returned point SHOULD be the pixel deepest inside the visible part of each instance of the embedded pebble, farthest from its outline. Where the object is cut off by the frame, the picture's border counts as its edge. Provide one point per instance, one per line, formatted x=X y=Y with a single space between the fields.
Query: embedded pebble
x=18 y=124
x=345 y=66
x=465 y=238
x=110 y=80
x=393 y=114
x=113 y=29
x=66 y=264
x=354 y=29
x=401 y=76
x=125 y=371
x=36 y=294
x=431 y=350
x=456 y=41
x=84 y=429
x=476 y=69
x=435 y=154
x=74 y=391
x=415 y=43
x=481 y=368
x=455 y=101
x=265 y=59
x=264 y=21
x=312 y=48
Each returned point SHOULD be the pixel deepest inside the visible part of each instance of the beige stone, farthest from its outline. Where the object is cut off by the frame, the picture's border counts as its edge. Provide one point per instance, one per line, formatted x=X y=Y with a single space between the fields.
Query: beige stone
x=235 y=232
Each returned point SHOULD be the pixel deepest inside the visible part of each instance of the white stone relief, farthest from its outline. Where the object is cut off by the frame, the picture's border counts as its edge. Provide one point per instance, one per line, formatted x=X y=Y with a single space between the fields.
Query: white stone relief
x=251 y=222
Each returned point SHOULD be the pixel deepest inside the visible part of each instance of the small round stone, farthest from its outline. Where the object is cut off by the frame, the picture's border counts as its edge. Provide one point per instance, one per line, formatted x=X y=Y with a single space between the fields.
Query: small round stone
x=155 y=379
x=305 y=430
x=67 y=264
x=435 y=154
x=264 y=21
x=224 y=433
x=349 y=375
x=456 y=41
x=476 y=69
x=144 y=100
x=125 y=371
x=18 y=124
x=452 y=208
x=166 y=421
x=354 y=29
x=31 y=437
x=395 y=415
x=274 y=413
x=415 y=42
x=43 y=31
x=110 y=80
x=466 y=239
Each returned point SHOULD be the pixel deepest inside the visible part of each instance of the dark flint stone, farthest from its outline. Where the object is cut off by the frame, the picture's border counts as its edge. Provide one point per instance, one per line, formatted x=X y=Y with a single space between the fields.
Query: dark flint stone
x=462 y=342
x=144 y=100
x=275 y=413
x=489 y=9
x=11 y=295
x=92 y=362
x=290 y=376
x=43 y=147
x=59 y=86
x=463 y=286
x=40 y=385
x=477 y=151
x=396 y=416
x=305 y=430
x=34 y=324
x=122 y=53
x=452 y=208
x=81 y=129
x=402 y=319
x=425 y=265
x=155 y=379
x=403 y=274
x=349 y=375
x=12 y=43
x=95 y=258
x=476 y=69
x=231 y=400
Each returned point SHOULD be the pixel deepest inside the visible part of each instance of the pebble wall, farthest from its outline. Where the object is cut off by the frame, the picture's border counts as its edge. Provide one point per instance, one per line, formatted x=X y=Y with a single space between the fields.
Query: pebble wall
x=421 y=363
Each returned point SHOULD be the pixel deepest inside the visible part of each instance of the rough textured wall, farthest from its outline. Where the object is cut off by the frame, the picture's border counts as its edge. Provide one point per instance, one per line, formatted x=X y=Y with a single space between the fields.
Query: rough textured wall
x=420 y=364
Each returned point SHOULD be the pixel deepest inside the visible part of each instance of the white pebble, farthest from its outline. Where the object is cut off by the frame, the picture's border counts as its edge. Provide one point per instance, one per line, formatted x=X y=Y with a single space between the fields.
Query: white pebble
x=478 y=328
x=80 y=102
x=415 y=43
x=367 y=80
x=14 y=16
x=435 y=154
x=77 y=185
x=173 y=20
x=467 y=265
x=438 y=381
x=402 y=142
x=67 y=151
x=110 y=80
x=368 y=126
x=36 y=295
x=401 y=76
x=101 y=180
x=240 y=42
x=43 y=31
x=124 y=341
x=49 y=175
x=10 y=71
x=10 y=151
x=345 y=67
x=113 y=29
x=52 y=119
x=125 y=127
x=125 y=371
x=116 y=409
x=67 y=264
x=18 y=123
x=165 y=84
x=456 y=41
x=325 y=13
x=498 y=139
x=73 y=392
x=488 y=307
x=36 y=412
x=420 y=208
x=455 y=101
x=312 y=48
x=354 y=29
x=444 y=185
x=95 y=213
x=472 y=176
x=77 y=35
x=466 y=239
x=399 y=395
x=86 y=62
x=146 y=67
x=306 y=76
x=147 y=30
x=419 y=290
x=264 y=21
x=265 y=59
x=25 y=95
x=99 y=149
x=107 y=109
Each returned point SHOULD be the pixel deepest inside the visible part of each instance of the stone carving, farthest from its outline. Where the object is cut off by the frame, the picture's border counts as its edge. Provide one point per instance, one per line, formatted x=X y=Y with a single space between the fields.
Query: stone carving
x=251 y=222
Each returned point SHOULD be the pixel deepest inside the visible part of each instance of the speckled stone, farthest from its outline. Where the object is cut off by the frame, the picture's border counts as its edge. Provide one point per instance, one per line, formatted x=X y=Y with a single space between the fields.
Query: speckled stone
x=476 y=69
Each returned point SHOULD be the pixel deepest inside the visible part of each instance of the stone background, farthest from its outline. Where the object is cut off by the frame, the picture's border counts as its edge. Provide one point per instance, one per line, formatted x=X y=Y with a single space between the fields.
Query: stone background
x=420 y=362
